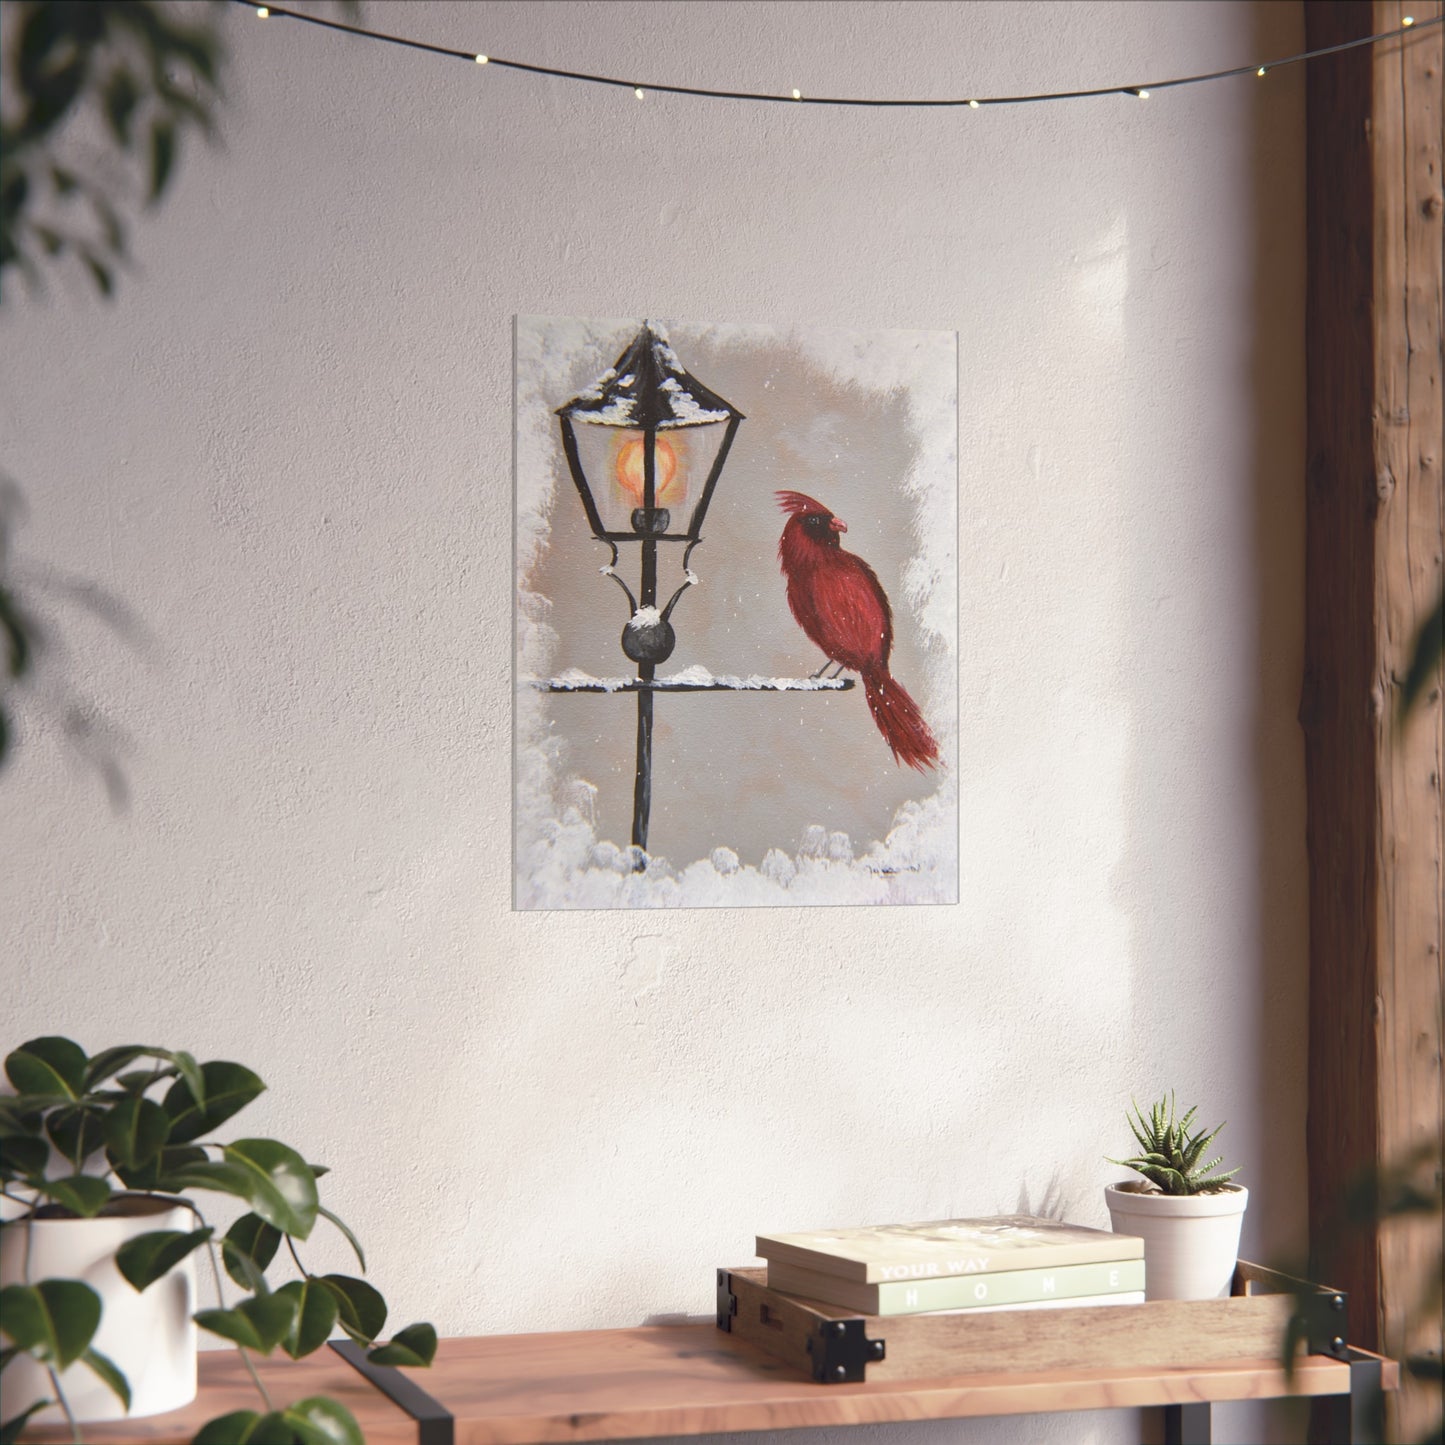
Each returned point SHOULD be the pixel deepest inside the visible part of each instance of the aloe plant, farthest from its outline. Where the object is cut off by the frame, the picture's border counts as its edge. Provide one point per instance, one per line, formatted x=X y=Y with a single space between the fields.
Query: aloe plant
x=81 y=1131
x=1171 y=1153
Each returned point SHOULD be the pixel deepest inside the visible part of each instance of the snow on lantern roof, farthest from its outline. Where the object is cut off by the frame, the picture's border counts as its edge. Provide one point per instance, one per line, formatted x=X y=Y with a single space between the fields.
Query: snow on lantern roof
x=647 y=388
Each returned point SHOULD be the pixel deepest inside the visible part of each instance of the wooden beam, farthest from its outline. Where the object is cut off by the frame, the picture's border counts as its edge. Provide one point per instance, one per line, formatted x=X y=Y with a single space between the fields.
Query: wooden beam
x=1374 y=545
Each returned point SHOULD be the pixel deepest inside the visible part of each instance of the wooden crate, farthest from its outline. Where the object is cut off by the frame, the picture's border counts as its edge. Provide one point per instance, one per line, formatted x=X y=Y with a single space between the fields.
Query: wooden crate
x=836 y=1345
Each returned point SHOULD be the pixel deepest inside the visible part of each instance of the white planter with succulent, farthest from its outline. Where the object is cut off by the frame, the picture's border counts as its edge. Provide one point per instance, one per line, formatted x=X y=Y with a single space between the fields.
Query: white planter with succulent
x=1188 y=1214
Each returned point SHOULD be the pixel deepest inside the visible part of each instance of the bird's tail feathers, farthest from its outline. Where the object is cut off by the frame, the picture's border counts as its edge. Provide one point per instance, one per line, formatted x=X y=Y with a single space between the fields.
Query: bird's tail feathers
x=900 y=722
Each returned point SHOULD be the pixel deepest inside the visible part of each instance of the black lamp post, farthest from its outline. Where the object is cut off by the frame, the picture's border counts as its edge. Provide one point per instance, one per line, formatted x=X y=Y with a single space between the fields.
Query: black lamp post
x=645 y=444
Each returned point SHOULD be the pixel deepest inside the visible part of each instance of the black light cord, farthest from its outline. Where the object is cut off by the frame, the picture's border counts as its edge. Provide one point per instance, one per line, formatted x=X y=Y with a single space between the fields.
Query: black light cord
x=641 y=88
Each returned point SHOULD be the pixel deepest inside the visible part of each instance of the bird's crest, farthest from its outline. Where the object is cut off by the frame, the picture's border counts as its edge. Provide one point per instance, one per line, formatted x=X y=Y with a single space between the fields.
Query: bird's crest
x=799 y=504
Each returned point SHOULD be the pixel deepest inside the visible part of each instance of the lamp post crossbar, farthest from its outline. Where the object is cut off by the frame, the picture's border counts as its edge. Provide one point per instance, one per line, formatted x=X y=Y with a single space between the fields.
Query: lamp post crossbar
x=667 y=684
x=646 y=686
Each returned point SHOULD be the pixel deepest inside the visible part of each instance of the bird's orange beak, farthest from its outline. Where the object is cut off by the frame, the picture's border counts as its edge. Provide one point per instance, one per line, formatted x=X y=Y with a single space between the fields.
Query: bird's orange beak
x=837 y=525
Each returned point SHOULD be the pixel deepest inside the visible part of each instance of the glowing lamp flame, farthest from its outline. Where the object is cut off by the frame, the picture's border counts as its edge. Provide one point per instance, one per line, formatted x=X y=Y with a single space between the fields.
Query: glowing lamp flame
x=667 y=482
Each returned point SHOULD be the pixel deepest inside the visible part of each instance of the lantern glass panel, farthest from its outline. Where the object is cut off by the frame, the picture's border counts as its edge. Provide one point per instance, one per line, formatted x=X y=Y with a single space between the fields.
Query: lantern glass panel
x=613 y=461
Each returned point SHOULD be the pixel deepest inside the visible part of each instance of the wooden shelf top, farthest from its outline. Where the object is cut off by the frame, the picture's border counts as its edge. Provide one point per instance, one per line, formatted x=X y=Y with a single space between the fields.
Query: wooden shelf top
x=688 y=1379
x=226 y=1386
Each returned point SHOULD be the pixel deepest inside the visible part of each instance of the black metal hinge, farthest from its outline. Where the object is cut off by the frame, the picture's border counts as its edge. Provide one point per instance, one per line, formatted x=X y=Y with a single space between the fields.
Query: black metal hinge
x=841 y=1352
x=727 y=1301
x=1327 y=1324
x=1321 y=1317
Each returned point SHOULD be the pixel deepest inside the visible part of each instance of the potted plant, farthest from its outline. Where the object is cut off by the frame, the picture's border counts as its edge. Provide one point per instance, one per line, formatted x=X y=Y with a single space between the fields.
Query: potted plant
x=1187 y=1213
x=102 y=1230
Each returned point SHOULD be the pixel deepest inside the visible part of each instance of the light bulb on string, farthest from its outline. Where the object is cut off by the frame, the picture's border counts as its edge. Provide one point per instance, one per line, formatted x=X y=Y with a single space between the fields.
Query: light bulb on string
x=1139 y=92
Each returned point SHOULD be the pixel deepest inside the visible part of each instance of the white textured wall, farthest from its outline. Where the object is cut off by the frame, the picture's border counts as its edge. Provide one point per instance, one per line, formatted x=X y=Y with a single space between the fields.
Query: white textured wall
x=287 y=448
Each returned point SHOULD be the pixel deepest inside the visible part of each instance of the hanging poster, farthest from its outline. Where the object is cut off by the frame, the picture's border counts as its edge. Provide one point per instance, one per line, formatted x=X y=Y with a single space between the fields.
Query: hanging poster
x=736 y=615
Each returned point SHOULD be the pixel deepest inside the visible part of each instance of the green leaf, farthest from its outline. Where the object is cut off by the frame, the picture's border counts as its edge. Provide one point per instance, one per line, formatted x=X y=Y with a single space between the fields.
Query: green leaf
x=232 y=1429
x=259 y=1323
x=21 y=1157
x=149 y=1257
x=55 y=1320
x=206 y=1174
x=135 y=1131
x=227 y=1088
x=415 y=1345
x=112 y=1061
x=282 y=1187
x=248 y=1248
x=137 y=1081
x=361 y=1309
x=316 y=1311
x=50 y=1065
x=22 y=1117
x=351 y=1239
x=11 y=1430
x=244 y=1270
x=195 y=1076
x=106 y=1369
x=77 y=1131
x=319 y=1421
x=83 y=1194
x=156 y=1174
x=245 y=1427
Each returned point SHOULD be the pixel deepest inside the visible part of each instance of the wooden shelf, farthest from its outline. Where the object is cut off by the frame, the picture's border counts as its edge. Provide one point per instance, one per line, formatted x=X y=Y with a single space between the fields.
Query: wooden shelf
x=690 y=1379
x=225 y=1386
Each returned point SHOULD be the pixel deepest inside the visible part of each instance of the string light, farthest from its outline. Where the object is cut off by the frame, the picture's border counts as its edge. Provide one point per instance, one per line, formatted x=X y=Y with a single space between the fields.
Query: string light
x=1141 y=91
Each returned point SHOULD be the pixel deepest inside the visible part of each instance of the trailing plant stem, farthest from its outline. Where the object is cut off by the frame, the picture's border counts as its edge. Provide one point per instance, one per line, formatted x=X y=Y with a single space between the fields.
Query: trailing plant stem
x=64 y=1404
x=221 y=1303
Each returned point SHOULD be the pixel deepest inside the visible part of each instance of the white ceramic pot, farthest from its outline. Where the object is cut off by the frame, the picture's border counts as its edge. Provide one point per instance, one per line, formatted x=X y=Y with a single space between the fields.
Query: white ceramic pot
x=149 y=1336
x=1191 y=1241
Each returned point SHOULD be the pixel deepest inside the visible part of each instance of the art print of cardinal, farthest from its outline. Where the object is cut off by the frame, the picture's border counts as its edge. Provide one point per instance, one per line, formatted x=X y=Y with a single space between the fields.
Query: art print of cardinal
x=765 y=780
x=840 y=604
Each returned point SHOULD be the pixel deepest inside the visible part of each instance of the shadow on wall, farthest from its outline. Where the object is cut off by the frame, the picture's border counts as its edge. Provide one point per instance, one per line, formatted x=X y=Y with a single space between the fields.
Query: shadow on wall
x=1249 y=1050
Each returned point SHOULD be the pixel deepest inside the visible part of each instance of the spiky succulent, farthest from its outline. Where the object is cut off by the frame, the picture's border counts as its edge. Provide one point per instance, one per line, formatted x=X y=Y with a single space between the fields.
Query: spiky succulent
x=1170 y=1154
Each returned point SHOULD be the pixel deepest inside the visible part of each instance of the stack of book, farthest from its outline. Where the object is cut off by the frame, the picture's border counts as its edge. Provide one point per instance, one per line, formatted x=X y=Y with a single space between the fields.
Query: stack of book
x=1007 y=1262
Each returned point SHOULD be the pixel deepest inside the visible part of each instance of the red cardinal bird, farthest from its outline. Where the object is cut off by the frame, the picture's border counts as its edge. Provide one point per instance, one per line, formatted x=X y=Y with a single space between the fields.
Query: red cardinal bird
x=839 y=602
